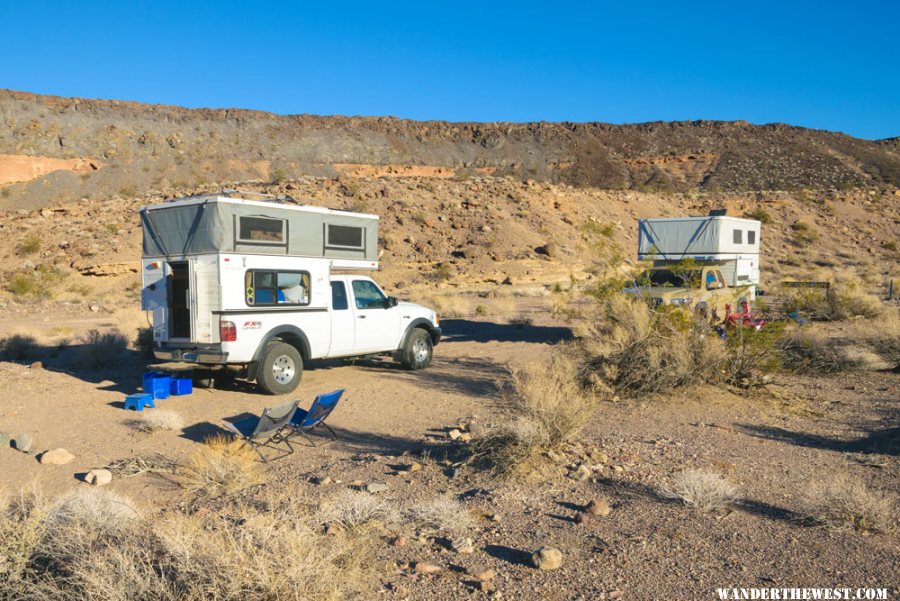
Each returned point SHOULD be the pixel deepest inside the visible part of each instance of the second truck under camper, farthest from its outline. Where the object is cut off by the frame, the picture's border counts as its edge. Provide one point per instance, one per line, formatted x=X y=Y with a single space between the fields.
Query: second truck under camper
x=260 y=288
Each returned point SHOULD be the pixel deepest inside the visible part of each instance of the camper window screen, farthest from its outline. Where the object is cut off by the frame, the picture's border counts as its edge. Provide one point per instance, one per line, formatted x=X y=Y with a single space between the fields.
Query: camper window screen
x=751 y=236
x=261 y=230
x=344 y=236
x=276 y=288
x=738 y=236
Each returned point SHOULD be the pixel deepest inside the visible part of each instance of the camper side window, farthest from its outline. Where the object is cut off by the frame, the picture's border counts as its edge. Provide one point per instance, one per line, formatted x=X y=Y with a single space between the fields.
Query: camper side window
x=264 y=230
x=276 y=288
x=738 y=236
x=344 y=236
x=751 y=236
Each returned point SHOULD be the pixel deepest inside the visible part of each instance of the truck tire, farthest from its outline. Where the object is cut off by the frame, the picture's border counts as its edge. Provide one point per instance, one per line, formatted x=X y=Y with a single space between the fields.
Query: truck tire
x=280 y=368
x=417 y=352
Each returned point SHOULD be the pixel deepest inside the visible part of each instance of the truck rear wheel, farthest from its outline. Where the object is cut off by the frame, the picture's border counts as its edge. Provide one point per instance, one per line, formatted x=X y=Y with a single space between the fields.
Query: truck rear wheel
x=417 y=352
x=280 y=368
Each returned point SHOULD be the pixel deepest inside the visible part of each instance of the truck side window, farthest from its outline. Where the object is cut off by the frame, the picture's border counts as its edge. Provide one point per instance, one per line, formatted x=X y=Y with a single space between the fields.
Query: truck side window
x=367 y=294
x=339 y=296
x=263 y=287
x=738 y=236
x=711 y=282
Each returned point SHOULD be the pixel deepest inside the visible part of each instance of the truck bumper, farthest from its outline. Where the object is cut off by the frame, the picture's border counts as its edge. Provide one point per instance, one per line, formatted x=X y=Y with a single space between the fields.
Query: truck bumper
x=436 y=336
x=204 y=356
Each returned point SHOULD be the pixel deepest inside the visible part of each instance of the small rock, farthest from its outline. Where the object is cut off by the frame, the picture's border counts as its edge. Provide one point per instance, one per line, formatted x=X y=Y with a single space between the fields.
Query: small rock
x=485 y=587
x=581 y=474
x=94 y=307
x=465 y=437
x=332 y=529
x=414 y=467
x=495 y=517
x=24 y=442
x=98 y=477
x=400 y=541
x=36 y=365
x=482 y=573
x=376 y=487
x=547 y=558
x=597 y=507
x=56 y=457
x=427 y=568
x=614 y=595
x=618 y=469
x=599 y=457
x=4 y=439
x=454 y=434
x=322 y=480
x=356 y=483
x=463 y=546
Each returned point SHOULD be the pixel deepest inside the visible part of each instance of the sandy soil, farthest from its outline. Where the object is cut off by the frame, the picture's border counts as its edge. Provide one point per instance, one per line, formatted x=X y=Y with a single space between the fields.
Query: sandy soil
x=770 y=443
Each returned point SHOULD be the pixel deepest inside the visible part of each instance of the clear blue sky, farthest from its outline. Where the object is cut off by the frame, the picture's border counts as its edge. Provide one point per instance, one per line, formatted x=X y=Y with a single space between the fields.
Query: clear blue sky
x=830 y=65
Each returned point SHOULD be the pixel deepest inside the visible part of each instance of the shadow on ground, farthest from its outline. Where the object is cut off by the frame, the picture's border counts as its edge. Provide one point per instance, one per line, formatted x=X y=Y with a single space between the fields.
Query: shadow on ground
x=465 y=330
x=884 y=441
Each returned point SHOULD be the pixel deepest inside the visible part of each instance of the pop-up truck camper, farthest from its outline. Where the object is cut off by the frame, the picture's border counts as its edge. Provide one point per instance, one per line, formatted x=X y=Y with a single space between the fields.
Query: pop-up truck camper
x=261 y=287
x=700 y=262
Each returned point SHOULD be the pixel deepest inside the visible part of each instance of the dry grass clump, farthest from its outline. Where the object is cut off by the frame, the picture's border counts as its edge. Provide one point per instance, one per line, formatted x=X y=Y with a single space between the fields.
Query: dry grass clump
x=448 y=306
x=220 y=466
x=544 y=406
x=807 y=351
x=158 y=420
x=839 y=302
x=702 y=490
x=353 y=510
x=845 y=502
x=440 y=513
x=18 y=347
x=100 y=350
x=94 y=546
x=637 y=349
x=880 y=335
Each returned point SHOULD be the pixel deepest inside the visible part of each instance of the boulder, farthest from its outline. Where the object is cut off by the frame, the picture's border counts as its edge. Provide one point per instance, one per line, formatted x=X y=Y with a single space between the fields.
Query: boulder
x=98 y=477
x=56 y=457
x=24 y=442
x=547 y=558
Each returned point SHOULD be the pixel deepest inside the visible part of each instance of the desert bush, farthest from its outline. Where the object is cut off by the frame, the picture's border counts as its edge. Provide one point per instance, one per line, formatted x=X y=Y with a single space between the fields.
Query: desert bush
x=637 y=349
x=144 y=342
x=102 y=349
x=751 y=352
x=845 y=502
x=38 y=284
x=93 y=545
x=158 y=420
x=839 y=302
x=440 y=513
x=702 y=490
x=803 y=233
x=221 y=465
x=761 y=215
x=353 y=510
x=812 y=352
x=30 y=244
x=449 y=306
x=544 y=406
x=19 y=347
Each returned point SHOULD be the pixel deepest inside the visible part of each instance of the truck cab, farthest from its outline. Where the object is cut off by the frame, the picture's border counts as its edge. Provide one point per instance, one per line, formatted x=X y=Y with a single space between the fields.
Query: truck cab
x=702 y=289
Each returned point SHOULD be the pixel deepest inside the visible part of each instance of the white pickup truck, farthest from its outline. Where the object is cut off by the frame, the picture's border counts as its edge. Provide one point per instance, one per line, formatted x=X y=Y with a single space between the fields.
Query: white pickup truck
x=243 y=302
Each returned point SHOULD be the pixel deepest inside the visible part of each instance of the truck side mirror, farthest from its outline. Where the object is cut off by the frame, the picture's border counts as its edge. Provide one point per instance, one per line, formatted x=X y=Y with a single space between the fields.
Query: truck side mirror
x=390 y=302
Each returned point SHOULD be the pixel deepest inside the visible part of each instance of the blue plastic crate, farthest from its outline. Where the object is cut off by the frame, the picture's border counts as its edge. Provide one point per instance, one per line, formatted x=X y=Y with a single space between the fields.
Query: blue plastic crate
x=139 y=401
x=182 y=386
x=157 y=384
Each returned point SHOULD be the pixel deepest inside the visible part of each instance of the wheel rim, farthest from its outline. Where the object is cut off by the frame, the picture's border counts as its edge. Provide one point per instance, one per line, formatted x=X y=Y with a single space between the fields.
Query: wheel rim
x=283 y=369
x=420 y=351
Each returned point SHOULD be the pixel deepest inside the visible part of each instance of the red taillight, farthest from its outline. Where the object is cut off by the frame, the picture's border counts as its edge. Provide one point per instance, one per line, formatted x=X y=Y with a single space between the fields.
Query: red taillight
x=227 y=331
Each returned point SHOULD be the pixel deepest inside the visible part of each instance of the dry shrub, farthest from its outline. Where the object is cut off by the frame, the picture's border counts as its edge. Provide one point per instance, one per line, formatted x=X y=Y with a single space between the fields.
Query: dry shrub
x=158 y=420
x=845 y=502
x=18 y=347
x=221 y=465
x=353 y=510
x=637 y=349
x=449 y=306
x=880 y=335
x=440 y=513
x=94 y=546
x=702 y=490
x=812 y=352
x=839 y=302
x=102 y=349
x=544 y=406
x=144 y=342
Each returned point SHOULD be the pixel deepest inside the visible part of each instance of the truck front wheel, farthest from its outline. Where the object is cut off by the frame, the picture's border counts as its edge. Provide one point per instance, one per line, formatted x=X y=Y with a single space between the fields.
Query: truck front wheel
x=417 y=352
x=280 y=368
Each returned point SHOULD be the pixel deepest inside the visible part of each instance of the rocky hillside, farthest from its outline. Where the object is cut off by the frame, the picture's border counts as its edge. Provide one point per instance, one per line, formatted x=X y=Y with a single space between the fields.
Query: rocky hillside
x=56 y=149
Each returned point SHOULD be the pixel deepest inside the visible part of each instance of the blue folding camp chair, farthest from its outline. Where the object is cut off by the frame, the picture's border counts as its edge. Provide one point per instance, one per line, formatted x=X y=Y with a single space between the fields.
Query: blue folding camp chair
x=266 y=430
x=305 y=421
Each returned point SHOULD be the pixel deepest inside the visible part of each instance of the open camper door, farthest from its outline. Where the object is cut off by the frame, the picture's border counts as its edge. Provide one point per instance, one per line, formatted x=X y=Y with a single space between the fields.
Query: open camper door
x=154 y=296
x=205 y=299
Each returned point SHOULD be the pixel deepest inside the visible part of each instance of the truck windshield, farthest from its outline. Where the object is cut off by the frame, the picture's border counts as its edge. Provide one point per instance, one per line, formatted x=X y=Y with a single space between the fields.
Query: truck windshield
x=665 y=277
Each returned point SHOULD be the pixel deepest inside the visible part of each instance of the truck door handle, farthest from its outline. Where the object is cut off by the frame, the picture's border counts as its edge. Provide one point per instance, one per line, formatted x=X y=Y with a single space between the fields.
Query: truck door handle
x=362 y=316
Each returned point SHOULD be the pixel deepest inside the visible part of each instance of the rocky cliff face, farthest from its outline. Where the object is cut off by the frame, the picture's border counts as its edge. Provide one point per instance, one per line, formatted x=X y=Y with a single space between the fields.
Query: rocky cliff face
x=136 y=148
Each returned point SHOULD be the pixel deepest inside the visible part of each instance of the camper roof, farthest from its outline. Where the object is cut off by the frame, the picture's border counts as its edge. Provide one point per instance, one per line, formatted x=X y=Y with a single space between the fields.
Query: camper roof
x=702 y=218
x=205 y=198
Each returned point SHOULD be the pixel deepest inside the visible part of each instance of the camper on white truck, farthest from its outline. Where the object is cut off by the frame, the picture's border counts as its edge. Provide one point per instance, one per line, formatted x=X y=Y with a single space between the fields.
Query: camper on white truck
x=260 y=288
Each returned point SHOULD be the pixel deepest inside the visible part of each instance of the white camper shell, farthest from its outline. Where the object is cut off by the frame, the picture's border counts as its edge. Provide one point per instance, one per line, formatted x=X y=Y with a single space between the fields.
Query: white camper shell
x=731 y=243
x=254 y=286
